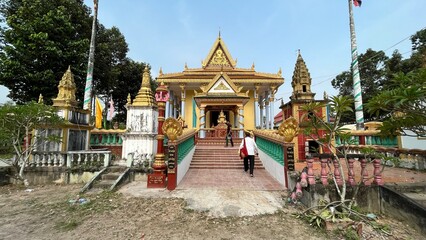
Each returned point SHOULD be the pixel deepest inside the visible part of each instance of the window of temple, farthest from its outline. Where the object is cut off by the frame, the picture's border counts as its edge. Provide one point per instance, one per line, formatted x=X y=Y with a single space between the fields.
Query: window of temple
x=304 y=88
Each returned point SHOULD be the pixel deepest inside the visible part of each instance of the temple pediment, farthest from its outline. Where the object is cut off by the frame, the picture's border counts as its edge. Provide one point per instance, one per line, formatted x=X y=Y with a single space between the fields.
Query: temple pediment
x=219 y=56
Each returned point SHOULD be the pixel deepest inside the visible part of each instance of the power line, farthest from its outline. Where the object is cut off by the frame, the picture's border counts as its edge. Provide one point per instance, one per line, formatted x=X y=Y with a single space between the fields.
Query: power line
x=331 y=76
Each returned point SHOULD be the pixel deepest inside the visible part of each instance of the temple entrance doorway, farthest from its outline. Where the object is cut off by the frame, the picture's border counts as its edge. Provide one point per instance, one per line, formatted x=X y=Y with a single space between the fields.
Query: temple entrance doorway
x=216 y=115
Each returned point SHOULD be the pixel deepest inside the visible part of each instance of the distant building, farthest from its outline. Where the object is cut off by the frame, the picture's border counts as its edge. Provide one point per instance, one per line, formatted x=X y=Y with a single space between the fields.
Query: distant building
x=301 y=83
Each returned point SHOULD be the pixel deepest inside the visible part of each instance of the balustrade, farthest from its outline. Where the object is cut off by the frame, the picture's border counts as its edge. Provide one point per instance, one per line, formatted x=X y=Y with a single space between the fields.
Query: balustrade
x=349 y=170
x=69 y=159
x=105 y=138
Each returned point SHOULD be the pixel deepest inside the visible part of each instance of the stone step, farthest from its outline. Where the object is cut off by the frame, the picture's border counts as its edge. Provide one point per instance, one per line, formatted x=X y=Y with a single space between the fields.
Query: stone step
x=111 y=176
x=104 y=184
x=223 y=167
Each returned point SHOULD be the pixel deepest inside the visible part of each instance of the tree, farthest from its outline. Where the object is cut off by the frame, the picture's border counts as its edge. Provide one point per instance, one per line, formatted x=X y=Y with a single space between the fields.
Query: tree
x=325 y=133
x=403 y=105
x=372 y=70
x=128 y=82
x=30 y=121
x=42 y=38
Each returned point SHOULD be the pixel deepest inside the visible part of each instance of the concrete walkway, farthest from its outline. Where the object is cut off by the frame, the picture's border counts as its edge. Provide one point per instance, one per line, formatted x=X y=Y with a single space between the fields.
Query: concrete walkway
x=223 y=193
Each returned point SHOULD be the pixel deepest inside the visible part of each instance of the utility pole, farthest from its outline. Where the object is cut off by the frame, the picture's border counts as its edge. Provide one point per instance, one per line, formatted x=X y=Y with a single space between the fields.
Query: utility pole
x=89 y=77
x=359 y=114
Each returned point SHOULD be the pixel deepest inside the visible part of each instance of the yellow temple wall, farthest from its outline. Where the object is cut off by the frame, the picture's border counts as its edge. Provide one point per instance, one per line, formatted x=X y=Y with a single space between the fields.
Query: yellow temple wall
x=249 y=120
x=188 y=110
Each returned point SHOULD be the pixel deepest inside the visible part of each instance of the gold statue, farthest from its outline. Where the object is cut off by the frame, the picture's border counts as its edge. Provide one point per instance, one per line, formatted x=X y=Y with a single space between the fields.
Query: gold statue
x=172 y=128
x=289 y=129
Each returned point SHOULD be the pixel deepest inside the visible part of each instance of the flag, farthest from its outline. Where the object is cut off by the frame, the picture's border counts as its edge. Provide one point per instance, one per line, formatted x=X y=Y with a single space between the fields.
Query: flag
x=357 y=3
x=111 y=110
x=99 y=109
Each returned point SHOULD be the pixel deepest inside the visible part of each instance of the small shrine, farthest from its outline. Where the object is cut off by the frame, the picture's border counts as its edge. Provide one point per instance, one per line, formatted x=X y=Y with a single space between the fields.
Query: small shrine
x=75 y=133
x=142 y=122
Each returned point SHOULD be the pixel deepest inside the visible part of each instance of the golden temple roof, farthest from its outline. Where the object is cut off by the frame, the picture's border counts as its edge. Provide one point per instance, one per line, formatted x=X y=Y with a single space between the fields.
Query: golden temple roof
x=219 y=62
x=145 y=96
x=66 y=93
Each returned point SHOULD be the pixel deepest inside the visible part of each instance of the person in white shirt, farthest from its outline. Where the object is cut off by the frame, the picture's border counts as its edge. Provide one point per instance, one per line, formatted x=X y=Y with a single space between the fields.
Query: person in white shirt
x=251 y=151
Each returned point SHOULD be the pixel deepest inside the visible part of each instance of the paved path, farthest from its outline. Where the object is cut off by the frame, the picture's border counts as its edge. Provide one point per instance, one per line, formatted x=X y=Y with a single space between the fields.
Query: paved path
x=223 y=193
x=229 y=179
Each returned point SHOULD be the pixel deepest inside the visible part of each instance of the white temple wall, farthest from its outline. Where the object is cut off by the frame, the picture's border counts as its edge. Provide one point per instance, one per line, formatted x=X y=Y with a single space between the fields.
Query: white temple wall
x=142 y=127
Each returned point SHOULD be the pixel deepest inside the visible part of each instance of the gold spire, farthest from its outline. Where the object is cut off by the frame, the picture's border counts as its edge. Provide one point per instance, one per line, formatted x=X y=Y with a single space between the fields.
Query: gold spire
x=302 y=81
x=40 y=99
x=161 y=71
x=129 y=99
x=66 y=93
x=252 y=66
x=145 y=95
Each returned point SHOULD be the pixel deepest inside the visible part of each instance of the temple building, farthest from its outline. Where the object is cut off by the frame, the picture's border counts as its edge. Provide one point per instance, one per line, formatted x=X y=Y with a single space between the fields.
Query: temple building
x=219 y=91
x=75 y=132
x=302 y=94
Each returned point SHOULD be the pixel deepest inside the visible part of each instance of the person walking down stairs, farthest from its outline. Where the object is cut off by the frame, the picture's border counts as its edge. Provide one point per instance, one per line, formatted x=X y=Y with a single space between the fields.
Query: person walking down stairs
x=252 y=150
x=229 y=134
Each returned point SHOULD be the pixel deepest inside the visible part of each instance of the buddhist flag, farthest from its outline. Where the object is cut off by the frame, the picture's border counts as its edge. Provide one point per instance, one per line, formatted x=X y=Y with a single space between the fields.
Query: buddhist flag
x=111 y=110
x=99 y=109
x=357 y=3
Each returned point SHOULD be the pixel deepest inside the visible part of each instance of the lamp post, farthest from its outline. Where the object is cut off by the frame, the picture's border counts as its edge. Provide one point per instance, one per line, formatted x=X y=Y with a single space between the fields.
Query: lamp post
x=158 y=178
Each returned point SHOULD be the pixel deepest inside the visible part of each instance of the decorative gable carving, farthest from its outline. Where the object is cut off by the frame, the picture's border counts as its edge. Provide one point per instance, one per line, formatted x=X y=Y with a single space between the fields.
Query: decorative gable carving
x=219 y=56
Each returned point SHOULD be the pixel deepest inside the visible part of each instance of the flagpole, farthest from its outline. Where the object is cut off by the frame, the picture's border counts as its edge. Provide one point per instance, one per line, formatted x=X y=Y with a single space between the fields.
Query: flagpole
x=359 y=114
x=89 y=77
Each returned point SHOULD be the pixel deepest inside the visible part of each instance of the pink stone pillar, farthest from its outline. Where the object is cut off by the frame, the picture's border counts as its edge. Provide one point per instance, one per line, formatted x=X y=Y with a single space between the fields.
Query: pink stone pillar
x=364 y=172
x=377 y=173
x=337 y=174
x=311 y=177
x=298 y=190
x=324 y=175
x=351 y=174
x=303 y=179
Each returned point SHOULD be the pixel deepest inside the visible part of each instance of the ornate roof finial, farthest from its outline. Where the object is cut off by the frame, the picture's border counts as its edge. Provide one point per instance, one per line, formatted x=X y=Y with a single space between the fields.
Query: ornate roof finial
x=129 y=99
x=280 y=72
x=186 y=66
x=219 y=32
x=161 y=71
x=66 y=93
x=252 y=66
x=145 y=95
x=301 y=81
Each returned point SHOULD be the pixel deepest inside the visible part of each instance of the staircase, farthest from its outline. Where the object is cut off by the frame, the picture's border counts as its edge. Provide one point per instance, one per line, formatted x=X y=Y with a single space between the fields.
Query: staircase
x=212 y=154
x=108 y=179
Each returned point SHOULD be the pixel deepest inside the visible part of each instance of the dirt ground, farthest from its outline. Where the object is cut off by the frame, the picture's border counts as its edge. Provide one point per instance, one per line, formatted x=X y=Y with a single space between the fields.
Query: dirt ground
x=46 y=212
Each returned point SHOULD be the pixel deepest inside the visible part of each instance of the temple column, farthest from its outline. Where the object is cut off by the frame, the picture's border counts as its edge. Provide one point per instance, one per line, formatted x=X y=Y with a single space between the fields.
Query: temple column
x=241 y=121
x=271 y=107
x=175 y=106
x=267 y=109
x=261 y=112
x=167 y=114
x=202 y=123
x=255 y=108
x=170 y=114
x=183 y=96
x=158 y=178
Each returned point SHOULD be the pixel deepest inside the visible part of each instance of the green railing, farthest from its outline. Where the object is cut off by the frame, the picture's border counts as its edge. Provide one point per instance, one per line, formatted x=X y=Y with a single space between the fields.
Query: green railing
x=372 y=141
x=185 y=147
x=105 y=138
x=272 y=148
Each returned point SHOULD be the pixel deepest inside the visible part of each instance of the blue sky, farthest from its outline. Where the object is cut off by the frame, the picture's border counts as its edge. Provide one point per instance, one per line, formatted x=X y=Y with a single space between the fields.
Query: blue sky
x=170 y=33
